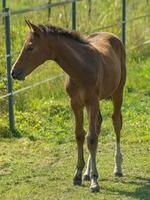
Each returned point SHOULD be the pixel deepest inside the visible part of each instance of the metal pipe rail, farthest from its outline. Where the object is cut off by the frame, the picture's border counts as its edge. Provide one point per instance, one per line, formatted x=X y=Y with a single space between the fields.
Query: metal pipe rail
x=31 y=86
x=42 y=7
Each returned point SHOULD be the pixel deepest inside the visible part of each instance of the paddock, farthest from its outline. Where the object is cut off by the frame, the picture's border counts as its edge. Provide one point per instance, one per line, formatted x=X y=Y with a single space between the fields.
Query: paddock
x=37 y=145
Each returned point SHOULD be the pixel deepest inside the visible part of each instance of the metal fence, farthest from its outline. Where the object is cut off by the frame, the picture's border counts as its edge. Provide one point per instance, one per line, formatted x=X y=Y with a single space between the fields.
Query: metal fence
x=6 y=16
x=6 y=13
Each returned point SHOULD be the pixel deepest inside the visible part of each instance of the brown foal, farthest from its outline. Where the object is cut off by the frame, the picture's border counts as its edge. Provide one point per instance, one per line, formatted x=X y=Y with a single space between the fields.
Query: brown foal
x=96 y=70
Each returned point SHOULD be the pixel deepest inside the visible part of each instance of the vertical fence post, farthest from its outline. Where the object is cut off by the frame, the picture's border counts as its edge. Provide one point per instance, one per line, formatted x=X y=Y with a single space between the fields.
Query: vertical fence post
x=3 y=7
x=74 y=14
x=8 y=62
x=49 y=8
x=123 y=23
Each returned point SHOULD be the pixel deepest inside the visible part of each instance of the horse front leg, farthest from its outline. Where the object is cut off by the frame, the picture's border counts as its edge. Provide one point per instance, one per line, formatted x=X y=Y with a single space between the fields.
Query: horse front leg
x=80 y=137
x=92 y=141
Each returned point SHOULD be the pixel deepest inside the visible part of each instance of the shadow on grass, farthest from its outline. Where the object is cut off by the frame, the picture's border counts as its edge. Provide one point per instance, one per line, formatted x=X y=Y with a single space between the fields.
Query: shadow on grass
x=7 y=133
x=141 y=193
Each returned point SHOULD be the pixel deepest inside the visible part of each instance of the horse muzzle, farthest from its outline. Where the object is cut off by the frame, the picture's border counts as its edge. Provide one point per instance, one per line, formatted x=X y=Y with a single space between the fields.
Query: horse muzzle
x=18 y=74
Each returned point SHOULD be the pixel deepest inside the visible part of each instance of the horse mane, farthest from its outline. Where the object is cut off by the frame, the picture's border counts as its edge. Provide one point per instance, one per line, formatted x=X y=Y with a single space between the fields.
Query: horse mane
x=59 y=31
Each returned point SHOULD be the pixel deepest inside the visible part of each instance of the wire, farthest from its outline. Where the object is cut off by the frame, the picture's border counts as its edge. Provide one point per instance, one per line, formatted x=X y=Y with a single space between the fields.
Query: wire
x=137 y=18
x=10 y=55
x=32 y=86
x=107 y=27
x=137 y=46
x=42 y=7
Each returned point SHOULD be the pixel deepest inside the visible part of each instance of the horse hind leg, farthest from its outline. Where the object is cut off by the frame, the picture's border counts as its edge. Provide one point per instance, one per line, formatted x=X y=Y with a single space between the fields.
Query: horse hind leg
x=117 y=99
x=86 y=176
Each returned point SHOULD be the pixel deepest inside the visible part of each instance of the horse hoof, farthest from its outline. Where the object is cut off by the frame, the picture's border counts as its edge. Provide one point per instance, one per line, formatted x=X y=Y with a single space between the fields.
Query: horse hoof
x=77 y=181
x=95 y=188
x=86 y=177
x=118 y=174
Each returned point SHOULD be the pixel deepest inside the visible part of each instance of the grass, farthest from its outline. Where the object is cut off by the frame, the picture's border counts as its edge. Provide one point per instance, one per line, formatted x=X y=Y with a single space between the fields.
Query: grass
x=40 y=162
x=42 y=170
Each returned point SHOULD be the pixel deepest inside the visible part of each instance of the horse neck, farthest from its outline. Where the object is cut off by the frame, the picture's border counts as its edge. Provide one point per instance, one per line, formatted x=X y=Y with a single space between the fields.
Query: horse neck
x=70 y=56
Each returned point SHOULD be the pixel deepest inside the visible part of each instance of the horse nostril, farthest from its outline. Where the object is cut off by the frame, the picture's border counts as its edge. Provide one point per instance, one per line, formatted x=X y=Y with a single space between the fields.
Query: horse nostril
x=14 y=74
x=18 y=74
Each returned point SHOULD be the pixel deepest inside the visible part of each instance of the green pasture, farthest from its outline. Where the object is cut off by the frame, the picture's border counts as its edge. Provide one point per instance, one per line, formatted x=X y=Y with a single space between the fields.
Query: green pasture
x=39 y=163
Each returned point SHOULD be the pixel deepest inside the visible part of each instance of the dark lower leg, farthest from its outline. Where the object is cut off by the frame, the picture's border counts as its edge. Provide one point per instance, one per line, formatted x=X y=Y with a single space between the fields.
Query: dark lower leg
x=80 y=137
x=80 y=161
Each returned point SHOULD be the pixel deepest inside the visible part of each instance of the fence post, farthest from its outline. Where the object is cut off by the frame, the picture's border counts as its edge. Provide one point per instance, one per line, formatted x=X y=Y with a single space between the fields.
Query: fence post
x=74 y=14
x=3 y=7
x=49 y=8
x=8 y=62
x=123 y=23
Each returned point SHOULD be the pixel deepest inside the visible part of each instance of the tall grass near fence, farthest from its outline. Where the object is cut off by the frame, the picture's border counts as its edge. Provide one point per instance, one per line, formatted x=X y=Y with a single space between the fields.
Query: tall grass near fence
x=45 y=109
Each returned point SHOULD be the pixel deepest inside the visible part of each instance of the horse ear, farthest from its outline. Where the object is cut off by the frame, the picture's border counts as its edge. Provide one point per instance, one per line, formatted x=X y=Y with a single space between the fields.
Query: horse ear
x=33 y=27
x=28 y=23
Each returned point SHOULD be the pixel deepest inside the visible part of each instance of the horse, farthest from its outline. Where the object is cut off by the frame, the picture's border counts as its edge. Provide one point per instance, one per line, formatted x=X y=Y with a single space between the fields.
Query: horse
x=95 y=69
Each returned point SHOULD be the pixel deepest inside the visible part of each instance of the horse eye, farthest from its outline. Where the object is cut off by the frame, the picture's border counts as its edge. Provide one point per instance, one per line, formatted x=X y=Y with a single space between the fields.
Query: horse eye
x=29 y=48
